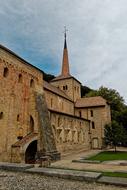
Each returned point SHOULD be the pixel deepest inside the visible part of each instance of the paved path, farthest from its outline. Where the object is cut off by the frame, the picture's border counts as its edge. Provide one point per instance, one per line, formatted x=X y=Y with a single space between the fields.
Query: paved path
x=66 y=162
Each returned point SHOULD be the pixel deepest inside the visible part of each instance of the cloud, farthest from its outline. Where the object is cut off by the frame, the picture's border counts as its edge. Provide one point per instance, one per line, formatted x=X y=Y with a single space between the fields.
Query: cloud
x=97 y=37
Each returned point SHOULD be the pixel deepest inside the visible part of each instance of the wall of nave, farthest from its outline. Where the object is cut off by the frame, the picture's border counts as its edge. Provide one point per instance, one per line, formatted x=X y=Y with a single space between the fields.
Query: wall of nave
x=58 y=103
x=70 y=132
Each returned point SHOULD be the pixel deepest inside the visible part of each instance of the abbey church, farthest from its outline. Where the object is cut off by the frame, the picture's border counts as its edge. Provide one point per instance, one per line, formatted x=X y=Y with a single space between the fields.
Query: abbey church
x=39 y=117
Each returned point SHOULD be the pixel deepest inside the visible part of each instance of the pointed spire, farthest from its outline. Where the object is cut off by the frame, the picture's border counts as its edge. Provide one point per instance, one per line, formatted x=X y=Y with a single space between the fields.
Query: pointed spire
x=65 y=63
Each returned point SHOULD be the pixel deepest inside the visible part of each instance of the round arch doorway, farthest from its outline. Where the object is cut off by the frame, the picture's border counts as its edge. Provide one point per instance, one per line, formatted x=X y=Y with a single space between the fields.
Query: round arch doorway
x=31 y=153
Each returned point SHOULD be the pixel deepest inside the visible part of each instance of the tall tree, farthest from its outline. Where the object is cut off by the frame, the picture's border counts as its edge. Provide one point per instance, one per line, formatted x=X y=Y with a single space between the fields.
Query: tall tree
x=114 y=134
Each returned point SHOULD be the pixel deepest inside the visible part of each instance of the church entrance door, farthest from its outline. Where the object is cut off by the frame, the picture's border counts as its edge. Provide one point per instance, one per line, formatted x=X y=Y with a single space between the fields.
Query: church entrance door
x=95 y=143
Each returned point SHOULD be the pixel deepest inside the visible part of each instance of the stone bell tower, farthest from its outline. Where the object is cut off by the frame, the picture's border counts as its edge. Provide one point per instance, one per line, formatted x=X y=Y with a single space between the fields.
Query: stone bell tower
x=65 y=81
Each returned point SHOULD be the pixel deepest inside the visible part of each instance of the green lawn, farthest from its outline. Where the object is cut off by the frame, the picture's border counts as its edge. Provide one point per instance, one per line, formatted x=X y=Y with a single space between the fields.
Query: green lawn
x=109 y=155
x=115 y=174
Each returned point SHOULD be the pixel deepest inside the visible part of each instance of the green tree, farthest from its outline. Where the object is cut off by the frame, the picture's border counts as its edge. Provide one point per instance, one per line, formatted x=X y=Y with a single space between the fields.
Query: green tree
x=114 y=134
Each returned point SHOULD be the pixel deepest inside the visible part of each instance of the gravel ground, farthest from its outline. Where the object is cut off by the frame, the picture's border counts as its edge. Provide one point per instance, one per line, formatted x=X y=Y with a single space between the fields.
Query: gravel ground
x=23 y=181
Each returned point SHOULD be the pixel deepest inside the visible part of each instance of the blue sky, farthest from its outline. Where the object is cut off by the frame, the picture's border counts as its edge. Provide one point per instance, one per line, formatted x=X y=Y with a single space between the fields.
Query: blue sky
x=97 y=37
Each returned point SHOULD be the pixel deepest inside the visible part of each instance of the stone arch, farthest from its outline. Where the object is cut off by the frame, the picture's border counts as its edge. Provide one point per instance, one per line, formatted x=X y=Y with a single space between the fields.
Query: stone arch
x=20 y=147
x=66 y=134
x=54 y=132
x=30 y=153
x=59 y=135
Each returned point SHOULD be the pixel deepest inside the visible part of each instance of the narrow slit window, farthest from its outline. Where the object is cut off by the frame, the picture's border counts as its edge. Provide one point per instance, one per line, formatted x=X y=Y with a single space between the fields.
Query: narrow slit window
x=31 y=83
x=91 y=113
x=6 y=72
x=1 y=115
x=18 y=117
x=93 y=125
x=20 y=78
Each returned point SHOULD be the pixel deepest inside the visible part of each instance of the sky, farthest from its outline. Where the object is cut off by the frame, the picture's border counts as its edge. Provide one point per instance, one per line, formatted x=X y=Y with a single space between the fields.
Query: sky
x=96 y=37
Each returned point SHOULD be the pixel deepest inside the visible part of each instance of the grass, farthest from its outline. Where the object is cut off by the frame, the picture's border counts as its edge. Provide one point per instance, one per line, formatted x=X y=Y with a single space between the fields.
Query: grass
x=109 y=156
x=115 y=174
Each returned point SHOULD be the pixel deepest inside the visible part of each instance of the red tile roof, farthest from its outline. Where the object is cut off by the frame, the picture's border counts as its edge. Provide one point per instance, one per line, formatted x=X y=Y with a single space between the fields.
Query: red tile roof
x=90 y=102
x=61 y=77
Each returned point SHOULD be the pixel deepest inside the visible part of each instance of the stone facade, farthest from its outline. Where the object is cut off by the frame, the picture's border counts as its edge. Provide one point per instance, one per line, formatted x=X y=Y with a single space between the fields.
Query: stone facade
x=99 y=116
x=37 y=117
x=18 y=81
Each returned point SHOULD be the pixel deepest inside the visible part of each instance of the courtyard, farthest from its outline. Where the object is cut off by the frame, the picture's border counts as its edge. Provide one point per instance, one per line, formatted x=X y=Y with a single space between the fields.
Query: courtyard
x=110 y=162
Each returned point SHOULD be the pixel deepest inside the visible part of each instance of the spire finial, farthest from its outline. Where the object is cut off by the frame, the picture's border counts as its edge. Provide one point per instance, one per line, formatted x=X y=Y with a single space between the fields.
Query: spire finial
x=65 y=34
x=65 y=31
x=65 y=63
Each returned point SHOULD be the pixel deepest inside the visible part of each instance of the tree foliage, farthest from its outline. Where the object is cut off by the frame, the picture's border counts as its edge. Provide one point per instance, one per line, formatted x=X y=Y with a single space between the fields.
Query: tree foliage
x=48 y=77
x=115 y=134
x=85 y=90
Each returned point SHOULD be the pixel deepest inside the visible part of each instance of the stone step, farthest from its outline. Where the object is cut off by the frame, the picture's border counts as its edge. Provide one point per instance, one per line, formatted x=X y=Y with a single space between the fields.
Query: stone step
x=113 y=180
x=15 y=166
x=66 y=174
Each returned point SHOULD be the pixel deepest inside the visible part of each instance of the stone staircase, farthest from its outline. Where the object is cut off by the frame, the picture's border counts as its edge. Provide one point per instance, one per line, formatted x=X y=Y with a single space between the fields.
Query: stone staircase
x=24 y=140
x=17 y=153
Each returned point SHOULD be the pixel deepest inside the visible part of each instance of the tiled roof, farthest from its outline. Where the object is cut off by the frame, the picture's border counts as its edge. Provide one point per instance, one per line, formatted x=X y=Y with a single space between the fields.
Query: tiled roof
x=61 y=77
x=55 y=90
x=90 y=102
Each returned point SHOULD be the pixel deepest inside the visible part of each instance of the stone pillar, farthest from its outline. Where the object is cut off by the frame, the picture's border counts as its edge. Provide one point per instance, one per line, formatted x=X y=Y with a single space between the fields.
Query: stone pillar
x=46 y=141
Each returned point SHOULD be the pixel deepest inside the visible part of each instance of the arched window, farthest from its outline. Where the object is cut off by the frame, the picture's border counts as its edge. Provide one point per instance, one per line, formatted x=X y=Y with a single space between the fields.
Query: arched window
x=6 y=72
x=18 y=117
x=1 y=115
x=31 y=127
x=20 y=78
x=31 y=83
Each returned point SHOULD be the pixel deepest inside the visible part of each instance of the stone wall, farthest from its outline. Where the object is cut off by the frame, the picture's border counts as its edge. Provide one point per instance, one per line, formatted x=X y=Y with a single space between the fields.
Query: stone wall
x=18 y=81
x=99 y=117
x=58 y=103
x=71 y=133
x=70 y=86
